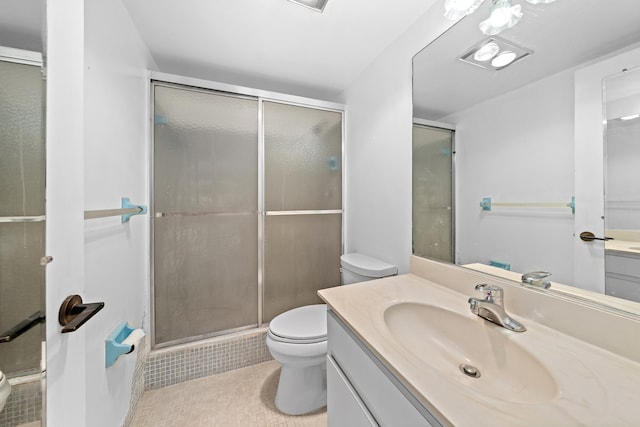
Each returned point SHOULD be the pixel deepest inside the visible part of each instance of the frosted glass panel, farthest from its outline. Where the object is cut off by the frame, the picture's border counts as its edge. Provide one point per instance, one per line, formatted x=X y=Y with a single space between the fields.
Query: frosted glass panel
x=22 y=158
x=22 y=172
x=206 y=270
x=206 y=152
x=303 y=158
x=432 y=193
x=206 y=188
x=302 y=255
x=21 y=293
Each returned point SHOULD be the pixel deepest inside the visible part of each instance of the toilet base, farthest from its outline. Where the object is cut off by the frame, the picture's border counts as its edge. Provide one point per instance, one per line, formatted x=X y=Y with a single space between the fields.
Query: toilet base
x=302 y=389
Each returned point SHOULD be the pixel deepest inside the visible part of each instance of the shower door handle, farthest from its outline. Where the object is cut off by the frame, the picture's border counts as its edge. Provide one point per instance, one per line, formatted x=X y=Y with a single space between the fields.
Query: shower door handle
x=74 y=313
x=22 y=327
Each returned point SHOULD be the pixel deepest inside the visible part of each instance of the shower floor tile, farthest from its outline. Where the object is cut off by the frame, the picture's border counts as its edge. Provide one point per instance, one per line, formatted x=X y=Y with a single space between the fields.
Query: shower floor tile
x=243 y=397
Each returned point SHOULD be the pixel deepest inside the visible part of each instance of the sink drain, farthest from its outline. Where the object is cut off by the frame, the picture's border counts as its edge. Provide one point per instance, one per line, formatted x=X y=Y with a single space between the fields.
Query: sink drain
x=470 y=371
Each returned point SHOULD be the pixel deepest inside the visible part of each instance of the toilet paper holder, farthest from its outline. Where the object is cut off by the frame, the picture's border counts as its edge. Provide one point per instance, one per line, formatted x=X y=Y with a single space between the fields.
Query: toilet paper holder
x=121 y=341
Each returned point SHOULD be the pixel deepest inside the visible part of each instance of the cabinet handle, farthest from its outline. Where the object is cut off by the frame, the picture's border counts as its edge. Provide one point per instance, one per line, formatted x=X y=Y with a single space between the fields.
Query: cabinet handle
x=74 y=313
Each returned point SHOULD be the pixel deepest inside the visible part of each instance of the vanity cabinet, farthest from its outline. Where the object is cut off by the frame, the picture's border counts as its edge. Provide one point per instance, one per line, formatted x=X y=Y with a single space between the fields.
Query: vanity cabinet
x=361 y=390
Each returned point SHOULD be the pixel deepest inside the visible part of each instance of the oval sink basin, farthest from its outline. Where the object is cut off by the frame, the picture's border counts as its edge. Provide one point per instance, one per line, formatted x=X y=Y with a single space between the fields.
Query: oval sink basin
x=447 y=340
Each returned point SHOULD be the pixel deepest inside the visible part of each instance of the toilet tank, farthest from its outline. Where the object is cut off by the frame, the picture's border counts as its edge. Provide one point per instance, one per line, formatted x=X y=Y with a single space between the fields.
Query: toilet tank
x=360 y=268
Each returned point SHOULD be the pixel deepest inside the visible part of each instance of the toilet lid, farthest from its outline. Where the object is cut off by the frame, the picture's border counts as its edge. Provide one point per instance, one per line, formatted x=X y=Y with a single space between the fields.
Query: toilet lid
x=301 y=324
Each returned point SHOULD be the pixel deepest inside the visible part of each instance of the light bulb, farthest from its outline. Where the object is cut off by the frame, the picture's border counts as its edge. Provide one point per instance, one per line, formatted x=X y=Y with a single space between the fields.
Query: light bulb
x=486 y=52
x=503 y=59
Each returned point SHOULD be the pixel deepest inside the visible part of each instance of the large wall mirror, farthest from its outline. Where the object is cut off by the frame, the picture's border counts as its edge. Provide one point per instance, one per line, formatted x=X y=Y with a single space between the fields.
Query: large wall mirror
x=520 y=162
x=22 y=212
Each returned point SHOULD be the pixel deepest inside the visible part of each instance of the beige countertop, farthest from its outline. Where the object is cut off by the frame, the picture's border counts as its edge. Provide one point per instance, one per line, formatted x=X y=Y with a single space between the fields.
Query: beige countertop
x=626 y=242
x=617 y=303
x=579 y=384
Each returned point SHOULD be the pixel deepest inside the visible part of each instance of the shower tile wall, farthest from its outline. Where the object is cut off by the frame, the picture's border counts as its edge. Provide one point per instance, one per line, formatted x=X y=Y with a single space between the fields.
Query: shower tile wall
x=191 y=361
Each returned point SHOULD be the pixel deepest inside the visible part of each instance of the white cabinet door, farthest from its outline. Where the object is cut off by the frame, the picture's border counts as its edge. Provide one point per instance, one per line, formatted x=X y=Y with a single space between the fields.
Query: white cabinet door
x=347 y=410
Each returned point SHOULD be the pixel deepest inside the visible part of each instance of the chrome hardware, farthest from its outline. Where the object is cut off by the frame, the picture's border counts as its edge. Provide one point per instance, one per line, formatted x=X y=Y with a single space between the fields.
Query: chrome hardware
x=73 y=313
x=470 y=371
x=491 y=308
x=536 y=278
x=22 y=327
x=587 y=236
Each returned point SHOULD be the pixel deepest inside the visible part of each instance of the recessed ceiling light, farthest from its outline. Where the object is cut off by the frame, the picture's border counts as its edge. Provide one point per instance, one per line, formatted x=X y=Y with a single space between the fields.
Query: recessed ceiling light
x=497 y=50
x=503 y=59
x=486 y=52
x=317 y=5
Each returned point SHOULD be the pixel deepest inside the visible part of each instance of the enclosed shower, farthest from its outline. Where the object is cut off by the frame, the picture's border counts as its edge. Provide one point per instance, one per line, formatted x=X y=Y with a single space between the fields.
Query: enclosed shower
x=22 y=233
x=246 y=209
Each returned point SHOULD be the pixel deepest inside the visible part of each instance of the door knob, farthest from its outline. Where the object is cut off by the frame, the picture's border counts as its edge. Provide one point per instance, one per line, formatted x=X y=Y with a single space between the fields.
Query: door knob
x=74 y=313
x=588 y=236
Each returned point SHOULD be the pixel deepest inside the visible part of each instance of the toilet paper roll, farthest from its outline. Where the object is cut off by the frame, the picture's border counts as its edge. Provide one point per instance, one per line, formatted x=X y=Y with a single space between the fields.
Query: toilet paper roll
x=134 y=338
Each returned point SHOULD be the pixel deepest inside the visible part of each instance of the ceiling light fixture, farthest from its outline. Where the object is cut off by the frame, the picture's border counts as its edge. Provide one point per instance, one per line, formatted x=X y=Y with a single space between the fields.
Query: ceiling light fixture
x=502 y=14
x=486 y=52
x=502 y=17
x=456 y=9
x=503 y=59
x=494 y=53
x=317 y=5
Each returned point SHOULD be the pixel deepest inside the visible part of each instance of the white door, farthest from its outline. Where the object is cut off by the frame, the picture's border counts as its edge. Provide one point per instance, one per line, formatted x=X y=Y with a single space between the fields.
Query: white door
x=589 y=167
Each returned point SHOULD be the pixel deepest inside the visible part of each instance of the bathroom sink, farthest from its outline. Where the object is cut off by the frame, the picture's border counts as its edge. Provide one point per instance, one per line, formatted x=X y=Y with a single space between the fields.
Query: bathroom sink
x=474 y=353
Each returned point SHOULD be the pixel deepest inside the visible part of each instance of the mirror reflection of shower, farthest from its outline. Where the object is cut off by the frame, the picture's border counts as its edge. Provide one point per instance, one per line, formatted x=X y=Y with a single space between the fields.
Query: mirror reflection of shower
x=622 y=184
x=22 y=235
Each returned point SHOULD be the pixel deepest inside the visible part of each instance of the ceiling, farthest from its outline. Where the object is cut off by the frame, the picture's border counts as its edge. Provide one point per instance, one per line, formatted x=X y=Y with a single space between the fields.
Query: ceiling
x=272 y=44
x=267 y=44
x=21 y=23
x=562 y=34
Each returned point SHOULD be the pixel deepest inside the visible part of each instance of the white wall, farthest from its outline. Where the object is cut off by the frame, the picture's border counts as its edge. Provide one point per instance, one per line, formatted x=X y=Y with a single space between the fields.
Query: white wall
x=116 y=161
x=97 y=147
x=378 y=147
x=518 y=147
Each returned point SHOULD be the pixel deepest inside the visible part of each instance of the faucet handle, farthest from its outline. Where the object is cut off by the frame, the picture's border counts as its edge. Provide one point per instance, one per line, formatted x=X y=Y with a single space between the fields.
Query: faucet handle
x=536 y=278
x=491 y=293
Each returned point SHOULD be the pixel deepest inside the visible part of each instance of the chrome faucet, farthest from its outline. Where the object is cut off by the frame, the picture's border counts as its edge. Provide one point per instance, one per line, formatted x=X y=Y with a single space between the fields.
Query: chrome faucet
x=536 y=278
x=491 y=307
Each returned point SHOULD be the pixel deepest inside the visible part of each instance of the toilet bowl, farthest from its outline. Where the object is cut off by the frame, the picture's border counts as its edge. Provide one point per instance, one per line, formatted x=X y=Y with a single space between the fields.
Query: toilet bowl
x=5 y=389
x=298 y=340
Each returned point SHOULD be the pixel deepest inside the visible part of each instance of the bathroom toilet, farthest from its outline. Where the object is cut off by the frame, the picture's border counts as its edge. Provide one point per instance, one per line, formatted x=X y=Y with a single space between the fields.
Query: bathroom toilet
x=298 y=340
x=5 y=389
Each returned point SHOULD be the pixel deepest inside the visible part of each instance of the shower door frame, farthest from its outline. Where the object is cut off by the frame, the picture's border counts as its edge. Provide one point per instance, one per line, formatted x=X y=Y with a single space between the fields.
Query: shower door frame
x=261 y=96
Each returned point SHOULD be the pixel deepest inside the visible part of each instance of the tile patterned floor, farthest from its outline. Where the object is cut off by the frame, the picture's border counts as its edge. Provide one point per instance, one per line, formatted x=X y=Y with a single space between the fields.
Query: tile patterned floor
x=243 y=397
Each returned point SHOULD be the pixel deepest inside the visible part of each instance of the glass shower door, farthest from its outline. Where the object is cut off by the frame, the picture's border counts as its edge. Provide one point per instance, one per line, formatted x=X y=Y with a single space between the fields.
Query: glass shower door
x=22 y=215
x=302 y=204
x=433 y=216
x=205 y=211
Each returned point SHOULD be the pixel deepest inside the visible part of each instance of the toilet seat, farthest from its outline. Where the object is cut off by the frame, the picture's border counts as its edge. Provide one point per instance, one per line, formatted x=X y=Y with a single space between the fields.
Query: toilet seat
x=302 y=325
